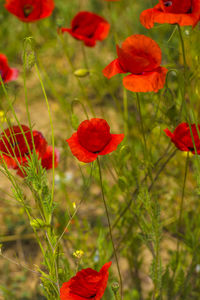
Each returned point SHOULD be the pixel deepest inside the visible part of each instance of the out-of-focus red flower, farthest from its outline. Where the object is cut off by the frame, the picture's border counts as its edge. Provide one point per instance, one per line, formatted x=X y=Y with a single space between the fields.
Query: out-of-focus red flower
x=182 y=12
x=16 y=144
x=88 y=27
x=140 y=56
x=47 y=158
x=7 y=73
x=93 y=138
x=87 y=284
x=30 y=10
x=182 y=139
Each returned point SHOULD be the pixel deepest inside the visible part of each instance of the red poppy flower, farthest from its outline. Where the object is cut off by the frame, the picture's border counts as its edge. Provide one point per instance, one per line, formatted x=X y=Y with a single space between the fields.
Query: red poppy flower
x=93 y=138
x=182 y=139
x=30 y=10
x=140 y=56
x=88 y=27
x=47 y=158
x=7 y=73
x=14 y=148
x=182 y=12
x=87 y=284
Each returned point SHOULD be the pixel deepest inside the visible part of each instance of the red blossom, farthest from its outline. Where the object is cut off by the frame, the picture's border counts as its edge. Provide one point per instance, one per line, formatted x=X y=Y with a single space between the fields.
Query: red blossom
x=7 y=73
x=182 y=12
x=87 y=284
x=30 y=10
x=182 y=139
x=140 y=56
x=88 y=27
x=16 y=144
x=93 y=138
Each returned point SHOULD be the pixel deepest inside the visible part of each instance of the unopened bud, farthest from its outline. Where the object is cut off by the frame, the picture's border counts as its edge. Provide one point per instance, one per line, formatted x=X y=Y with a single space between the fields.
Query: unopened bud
x=115 y=287
x=81 y=72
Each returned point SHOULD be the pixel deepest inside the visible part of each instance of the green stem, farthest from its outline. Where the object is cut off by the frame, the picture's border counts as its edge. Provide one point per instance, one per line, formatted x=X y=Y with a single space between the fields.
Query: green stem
x=181 y=205
x=78 y=79
x=52 y=137
x=183 y=48
x=125 y=102
x=109 y=225
x=146 y=157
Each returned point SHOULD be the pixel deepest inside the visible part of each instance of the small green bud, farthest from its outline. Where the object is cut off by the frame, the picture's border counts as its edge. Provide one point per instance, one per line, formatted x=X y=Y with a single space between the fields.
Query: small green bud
x=115 y=287
x=81 y=72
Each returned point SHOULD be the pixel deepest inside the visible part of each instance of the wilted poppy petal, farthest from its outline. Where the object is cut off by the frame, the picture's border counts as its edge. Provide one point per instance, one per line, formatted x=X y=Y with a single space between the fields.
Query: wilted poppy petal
x=146 y=82
x=112 y=69
x=77 y=150
x=112 y=146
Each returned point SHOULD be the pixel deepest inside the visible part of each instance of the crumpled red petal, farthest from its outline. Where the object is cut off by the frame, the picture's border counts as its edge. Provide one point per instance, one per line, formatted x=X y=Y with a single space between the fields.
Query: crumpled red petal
x=146 y=82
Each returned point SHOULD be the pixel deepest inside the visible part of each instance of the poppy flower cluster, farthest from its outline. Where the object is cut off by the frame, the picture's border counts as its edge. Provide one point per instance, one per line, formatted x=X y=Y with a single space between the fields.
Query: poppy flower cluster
x=88 y=27
x=30 y=10
x=182 y=138
x=7 y=73
x=93 y=138
x=16 y=144
x=141 y=56
x=184 y=13
x=87 y=284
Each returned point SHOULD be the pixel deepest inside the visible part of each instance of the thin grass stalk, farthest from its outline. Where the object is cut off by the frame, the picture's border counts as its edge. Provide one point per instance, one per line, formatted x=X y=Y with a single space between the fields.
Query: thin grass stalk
x=109 y=225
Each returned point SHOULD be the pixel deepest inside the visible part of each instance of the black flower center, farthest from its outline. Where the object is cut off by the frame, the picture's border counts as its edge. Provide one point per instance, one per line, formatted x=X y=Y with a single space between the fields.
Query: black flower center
x=168 y=3
x=27 y=10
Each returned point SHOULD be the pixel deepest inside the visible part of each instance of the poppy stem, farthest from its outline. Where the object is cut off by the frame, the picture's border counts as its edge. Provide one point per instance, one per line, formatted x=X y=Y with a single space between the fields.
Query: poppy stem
x=78 y=80
x=143 y=134
x=183 y=48
x=181 y=206
x=109 y=225
x=125 y=102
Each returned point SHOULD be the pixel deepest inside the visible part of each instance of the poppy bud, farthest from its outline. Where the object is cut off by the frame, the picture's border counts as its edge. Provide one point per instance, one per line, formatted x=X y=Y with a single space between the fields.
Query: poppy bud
x=115 y=287
x=81 y=72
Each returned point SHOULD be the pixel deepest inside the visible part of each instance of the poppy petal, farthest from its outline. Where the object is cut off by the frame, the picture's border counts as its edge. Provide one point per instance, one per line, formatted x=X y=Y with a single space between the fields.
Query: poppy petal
x=157 y=15
x=77 y=150
x=47 y=158
x=112 y=69
x=102 y=31
x=116 y=139
x=139 y=54
x=168 y=133
x=146 y=82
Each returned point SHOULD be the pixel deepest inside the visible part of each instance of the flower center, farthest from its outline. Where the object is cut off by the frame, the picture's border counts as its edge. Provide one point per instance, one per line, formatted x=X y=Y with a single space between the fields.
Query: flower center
x=27 y=9
x=168 y=3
